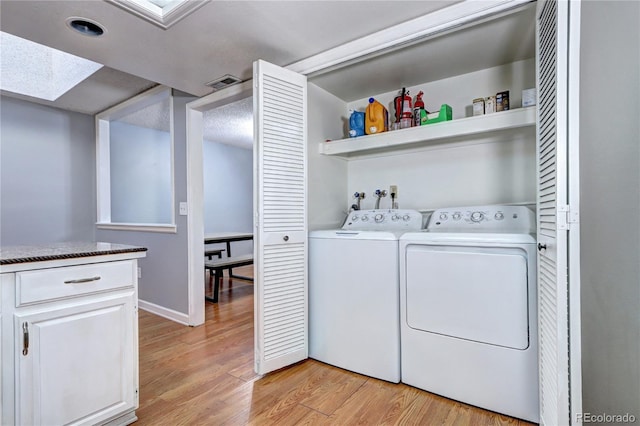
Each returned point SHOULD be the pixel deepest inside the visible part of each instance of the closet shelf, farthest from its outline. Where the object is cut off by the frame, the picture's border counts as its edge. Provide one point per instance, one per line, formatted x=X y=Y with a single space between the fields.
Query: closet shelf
x=460 y=130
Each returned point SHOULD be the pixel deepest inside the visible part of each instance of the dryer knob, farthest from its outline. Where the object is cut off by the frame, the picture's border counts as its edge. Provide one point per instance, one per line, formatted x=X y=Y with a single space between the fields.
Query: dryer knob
x=354 y=218
x=365 y=218
x=379 y=218
x=457 y=216
x=395 y=218
x=499 y=216
x=477 y=216
x=443 y=216
x=406 y=217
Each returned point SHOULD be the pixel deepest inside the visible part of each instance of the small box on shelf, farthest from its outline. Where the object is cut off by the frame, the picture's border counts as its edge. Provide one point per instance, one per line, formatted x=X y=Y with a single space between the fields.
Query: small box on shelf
x=445 y=114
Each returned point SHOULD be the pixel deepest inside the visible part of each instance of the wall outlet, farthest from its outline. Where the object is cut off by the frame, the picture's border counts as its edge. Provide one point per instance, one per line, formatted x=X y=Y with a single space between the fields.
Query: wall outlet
x=393 y=189
x=183 y=208
x=139 y=272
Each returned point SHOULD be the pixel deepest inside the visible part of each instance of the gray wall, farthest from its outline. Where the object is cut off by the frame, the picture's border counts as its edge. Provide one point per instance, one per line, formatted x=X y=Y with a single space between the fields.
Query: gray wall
x=140 y=161
x=47 y=174
x=164 y=270
x=228 y=192
x=610 y=206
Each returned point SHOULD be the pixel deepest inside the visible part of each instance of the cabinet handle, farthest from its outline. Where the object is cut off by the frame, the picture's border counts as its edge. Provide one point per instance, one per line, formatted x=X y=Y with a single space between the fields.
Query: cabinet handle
x=82 y=280
x=25 y=338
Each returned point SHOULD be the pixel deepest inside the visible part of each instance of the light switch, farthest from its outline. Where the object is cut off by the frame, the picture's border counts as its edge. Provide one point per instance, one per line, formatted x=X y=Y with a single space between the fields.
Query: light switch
x=183 y=208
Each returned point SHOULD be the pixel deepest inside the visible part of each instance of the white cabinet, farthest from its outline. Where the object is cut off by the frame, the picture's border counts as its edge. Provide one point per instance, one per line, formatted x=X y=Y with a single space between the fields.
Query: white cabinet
x=70 y=348
x=80 y=363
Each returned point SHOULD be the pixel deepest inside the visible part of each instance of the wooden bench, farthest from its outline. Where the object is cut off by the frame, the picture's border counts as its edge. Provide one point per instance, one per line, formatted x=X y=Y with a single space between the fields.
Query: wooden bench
x=211 y=253
x=217 y=266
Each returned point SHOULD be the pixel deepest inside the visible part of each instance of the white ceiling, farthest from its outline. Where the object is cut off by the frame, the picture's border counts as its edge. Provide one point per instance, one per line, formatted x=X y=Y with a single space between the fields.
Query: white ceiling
x=221 y=37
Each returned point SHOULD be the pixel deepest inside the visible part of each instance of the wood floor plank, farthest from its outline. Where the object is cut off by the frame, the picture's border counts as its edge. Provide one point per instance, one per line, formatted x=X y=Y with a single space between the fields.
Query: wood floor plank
x=204 y=376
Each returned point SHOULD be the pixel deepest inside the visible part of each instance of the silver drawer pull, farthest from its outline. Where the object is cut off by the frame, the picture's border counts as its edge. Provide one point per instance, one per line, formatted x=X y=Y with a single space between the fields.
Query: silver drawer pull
x=82 y=280
x=25 y=338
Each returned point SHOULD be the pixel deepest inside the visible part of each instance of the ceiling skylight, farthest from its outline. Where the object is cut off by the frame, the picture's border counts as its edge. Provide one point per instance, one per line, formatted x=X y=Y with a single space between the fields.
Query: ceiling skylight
x=31 y=69
x=163 y=13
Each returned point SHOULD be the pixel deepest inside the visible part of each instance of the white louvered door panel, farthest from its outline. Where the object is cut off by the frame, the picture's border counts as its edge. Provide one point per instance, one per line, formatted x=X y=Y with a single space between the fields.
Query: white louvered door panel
x=280 y=114
x=551 y=76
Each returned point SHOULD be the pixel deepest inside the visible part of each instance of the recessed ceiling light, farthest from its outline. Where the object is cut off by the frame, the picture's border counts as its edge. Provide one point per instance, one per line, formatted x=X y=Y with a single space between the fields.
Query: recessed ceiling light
x=85 y=26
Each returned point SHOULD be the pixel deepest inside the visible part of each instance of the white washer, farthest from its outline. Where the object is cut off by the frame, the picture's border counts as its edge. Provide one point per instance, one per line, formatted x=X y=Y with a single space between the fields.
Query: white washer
x=354 y=293
x=469 y=308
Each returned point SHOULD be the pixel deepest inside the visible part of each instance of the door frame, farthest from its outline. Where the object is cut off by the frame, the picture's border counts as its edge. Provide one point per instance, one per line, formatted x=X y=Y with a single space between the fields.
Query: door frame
x=395 y=37
x=195 y=191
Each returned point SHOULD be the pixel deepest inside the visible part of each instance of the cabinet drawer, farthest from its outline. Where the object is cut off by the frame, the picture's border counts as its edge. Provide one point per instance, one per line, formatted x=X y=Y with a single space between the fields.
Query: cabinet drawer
x=56 y=283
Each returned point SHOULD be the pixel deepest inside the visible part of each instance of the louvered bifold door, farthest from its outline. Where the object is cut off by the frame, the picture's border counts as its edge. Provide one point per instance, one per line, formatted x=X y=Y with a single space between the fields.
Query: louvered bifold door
x=280 y=118
x=551 y=76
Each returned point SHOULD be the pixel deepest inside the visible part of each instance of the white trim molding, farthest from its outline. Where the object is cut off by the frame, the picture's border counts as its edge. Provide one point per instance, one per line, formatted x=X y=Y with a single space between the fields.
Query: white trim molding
x=103 y=160
x=163 y=312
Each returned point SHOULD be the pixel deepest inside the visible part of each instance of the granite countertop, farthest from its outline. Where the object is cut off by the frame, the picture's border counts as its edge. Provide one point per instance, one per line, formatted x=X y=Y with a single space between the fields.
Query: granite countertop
x=38 y=253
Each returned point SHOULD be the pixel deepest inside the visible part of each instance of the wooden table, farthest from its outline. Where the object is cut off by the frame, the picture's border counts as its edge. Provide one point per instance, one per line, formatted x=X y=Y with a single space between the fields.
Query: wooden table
x=227 y=238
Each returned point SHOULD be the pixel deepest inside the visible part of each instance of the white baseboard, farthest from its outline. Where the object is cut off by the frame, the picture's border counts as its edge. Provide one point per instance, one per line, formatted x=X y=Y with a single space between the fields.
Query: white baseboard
x=167 y=313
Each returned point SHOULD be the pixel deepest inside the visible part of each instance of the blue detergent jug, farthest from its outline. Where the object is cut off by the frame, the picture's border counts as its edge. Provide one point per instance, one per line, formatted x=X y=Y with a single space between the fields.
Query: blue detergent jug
x=356 y=124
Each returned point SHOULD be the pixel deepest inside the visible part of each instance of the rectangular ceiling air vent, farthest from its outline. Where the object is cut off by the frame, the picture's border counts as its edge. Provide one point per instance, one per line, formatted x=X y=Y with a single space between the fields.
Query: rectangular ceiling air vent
x=224 y=81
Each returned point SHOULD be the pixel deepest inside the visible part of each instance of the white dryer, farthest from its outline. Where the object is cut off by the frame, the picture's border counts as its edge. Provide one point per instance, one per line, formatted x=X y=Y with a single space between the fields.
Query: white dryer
x=354 y=292
x=469 y=308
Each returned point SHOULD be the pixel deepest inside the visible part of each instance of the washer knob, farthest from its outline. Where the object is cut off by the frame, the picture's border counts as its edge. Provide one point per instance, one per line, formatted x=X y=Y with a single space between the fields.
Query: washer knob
x=443 y=216
x=406 y=217
x=379 y=218
x=395 y=218
x=477 y=216
x=499 y=216
x=365 y=218
x=354 y=218
x=457 y=216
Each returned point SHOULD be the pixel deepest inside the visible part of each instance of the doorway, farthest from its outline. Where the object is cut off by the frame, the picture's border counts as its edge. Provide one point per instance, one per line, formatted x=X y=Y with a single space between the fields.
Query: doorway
x=209 y=109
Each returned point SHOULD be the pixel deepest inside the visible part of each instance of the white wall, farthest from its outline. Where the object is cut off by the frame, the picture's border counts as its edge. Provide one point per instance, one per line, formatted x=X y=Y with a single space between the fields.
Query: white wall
x=327 y=176
x=610 y=206
x=460 y=91
x=490 y=173
x=228 y=192
x=500 y=170
x=47 y=174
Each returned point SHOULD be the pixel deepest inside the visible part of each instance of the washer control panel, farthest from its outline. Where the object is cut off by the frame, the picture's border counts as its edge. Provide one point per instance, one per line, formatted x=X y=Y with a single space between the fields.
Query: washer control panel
x=518 y=219
x=384 y=220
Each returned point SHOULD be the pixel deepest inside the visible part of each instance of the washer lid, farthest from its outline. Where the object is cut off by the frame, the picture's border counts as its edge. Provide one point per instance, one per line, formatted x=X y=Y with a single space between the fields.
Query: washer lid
x=467 y=237
x=341 y=234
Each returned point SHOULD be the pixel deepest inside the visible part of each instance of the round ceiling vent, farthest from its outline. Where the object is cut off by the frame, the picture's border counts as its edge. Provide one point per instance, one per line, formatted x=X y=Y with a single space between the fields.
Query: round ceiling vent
x=86 y=26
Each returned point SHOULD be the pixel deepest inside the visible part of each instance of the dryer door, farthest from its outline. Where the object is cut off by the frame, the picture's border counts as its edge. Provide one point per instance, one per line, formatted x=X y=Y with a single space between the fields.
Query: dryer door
x=477 y=294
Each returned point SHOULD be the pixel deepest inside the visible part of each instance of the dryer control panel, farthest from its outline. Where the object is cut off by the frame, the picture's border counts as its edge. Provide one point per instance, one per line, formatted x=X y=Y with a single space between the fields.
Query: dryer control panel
x=384 y=220
x=515 y=219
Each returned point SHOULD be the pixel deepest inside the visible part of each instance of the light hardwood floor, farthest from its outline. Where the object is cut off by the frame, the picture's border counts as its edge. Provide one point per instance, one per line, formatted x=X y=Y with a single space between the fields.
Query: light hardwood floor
x=204 y=376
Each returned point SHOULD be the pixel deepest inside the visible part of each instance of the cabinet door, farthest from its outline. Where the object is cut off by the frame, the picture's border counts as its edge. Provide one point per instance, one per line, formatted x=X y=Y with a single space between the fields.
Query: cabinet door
x=79 y=363
x=280 y=191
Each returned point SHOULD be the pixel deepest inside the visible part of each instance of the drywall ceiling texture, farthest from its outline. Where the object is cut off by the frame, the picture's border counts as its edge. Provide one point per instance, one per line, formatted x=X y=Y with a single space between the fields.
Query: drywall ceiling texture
x=100 y=91
x=155 y=116
x=231 y=124
x=222 y=37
